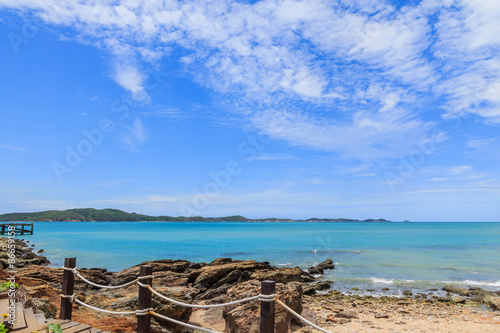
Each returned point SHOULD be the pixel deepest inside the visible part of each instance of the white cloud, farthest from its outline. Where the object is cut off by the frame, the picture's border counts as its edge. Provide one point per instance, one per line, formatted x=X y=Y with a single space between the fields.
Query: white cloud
x=274 y=157
x=438 y=179
x=364 y=175
x=342 y=76
x=163 y=112
x=466 y=172
x=11 y=147
x=460 y=170
x=132 y=79
x=133 y=135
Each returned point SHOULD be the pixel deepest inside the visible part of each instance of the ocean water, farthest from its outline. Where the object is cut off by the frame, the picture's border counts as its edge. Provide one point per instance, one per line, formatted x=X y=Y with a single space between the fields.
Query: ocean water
x=398 y=256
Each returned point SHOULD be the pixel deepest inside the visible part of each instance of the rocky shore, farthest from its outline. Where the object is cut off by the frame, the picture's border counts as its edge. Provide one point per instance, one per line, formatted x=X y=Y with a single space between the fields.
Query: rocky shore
x=224 y=280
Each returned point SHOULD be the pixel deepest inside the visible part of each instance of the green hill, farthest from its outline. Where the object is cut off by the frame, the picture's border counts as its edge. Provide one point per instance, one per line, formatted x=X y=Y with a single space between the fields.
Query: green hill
x=116 y=215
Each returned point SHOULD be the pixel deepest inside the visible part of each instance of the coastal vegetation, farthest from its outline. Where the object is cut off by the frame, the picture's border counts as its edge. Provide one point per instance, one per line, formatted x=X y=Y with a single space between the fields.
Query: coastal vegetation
x=116 y=215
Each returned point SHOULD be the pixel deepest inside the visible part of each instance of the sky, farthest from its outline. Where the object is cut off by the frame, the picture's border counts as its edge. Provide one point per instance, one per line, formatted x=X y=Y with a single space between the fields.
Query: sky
x=274 y=108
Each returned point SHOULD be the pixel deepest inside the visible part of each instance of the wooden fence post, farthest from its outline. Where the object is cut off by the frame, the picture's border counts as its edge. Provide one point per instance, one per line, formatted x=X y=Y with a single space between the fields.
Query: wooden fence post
x=144 y=322
x=267 y=308
x=68 y=285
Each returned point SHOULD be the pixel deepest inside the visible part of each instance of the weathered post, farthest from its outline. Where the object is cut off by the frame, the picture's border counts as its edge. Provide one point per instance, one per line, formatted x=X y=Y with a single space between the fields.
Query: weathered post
x=267 y=308
x=68 y=285
x=144 y=321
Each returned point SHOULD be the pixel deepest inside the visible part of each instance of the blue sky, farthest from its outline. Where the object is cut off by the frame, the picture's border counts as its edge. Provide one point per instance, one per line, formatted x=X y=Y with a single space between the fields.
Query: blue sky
x=355 y=109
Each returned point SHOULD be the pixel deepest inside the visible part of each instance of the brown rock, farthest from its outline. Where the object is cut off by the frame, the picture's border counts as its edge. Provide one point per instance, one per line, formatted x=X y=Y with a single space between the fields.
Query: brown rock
x=331 y=318
x=47 y=274
x=244 y=318
x=283 y=275
x=492 y=301
x=214 y=293
x=457 y=290
x=381 y=315
x=346 y=314
x=480 y=294
x=207 y=276
x=310 y=289
x=319 y=269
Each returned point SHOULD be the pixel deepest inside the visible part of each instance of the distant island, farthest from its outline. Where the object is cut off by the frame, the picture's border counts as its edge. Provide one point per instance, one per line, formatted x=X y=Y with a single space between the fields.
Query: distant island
x=116 y=215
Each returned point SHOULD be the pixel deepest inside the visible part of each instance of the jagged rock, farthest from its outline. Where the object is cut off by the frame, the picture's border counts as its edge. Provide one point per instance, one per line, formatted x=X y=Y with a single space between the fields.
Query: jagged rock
x=319 y=269
x=209 y=275
x=457 y=290
x=229 y=278
x=47 y=274
x=97 y=275
x=283 y=275
x=220 y=261
x=480 y=294
x=163 y=270
x=310 y=289
x=457 y=300
x=492 y=302
x=214 y=293
x=244 y=318
x=24 y=254
x=177 y=312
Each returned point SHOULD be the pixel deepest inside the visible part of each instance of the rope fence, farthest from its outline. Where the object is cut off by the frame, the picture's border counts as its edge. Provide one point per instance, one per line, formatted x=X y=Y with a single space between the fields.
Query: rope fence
x=267 y=297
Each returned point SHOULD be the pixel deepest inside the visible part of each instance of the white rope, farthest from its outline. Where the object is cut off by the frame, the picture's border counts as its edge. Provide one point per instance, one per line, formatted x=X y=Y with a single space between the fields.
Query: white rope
x=145 y=277
x=202 y=306
x=70 y=269
x=183 y=324
x=143 y=312
x=123 y=313
x=75 y=271
x=71 y=297
x=266 y=298
x=300 y=317
x=107 y=287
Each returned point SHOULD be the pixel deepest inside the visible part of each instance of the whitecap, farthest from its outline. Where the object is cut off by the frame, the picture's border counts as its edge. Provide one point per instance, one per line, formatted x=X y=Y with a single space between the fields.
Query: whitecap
x=382 y=281
x=482 y=283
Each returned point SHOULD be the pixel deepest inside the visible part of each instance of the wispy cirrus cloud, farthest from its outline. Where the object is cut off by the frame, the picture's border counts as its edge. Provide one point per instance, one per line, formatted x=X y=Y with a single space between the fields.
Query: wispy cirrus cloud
x=12 y=147
x=274 y=157
x=327 y=75
x=163 y=112
x=133 y=135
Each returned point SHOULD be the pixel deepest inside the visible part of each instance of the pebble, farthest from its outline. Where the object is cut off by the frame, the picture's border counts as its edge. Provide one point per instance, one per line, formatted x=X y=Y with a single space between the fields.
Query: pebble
x=381 y=315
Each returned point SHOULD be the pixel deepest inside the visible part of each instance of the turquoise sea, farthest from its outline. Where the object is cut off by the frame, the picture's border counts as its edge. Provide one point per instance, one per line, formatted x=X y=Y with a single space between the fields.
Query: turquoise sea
x=399 y=256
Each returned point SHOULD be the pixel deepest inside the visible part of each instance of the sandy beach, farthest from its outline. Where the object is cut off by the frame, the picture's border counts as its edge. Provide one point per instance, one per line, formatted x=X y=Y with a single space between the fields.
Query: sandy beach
x=342 y=313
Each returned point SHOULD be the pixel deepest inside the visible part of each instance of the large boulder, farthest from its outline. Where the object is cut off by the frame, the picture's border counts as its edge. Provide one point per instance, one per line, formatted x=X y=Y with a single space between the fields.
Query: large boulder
x=43 y=273
x=24 y=254
x=244 y=317
x=166 y=271
x=480 y=294
x=493 y=302
x=457 y=290
x=224 y=270
x=310 y=289
x=319 y=269
x=127 y=299
x=283 y=275
x=174 y=311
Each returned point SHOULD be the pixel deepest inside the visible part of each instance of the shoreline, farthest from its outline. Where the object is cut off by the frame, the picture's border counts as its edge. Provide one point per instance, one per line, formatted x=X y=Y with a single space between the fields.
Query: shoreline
x=371 y=289
x=215 y=282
